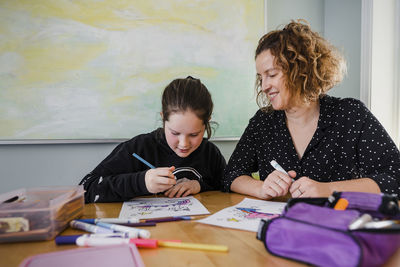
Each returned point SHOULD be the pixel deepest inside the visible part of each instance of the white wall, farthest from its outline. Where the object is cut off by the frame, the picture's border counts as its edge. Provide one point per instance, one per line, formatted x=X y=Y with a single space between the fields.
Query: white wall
x=384 y=98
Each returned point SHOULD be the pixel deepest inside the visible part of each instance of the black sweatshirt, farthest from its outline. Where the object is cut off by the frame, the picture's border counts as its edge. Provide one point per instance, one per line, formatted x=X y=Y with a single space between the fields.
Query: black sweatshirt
x=120 y=176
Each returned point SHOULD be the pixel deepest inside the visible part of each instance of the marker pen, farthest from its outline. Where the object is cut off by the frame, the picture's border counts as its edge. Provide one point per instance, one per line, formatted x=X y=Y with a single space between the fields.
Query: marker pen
x=95 y=240
x=145 y=162
x=392 y=224
x=341 y=204
x=89 y=227
x=110 y=220
x=168 y=219
x=142 y=243
x=279 y=168
x=360 y=221
x=135 y=232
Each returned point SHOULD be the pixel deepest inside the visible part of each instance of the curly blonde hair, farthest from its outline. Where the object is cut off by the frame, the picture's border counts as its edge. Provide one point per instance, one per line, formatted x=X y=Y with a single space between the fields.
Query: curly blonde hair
x=310 y=64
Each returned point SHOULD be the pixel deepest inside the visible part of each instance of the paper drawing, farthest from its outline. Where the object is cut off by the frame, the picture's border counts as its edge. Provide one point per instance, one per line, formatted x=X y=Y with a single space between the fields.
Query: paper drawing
x=246 y=215
x=145 y=208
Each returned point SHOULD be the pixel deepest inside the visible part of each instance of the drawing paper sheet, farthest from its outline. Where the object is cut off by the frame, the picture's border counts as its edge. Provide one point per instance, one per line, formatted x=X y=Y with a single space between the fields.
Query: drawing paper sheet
x=246 y=215
x=146 y=208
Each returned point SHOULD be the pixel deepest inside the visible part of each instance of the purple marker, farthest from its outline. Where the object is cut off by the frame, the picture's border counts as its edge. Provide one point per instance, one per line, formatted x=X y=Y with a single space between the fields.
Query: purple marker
x=169 y=219
x=110 y=220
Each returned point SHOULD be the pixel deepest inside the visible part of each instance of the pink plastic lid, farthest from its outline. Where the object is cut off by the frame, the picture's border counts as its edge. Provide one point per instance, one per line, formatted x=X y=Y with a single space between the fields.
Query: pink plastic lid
x=118 y=255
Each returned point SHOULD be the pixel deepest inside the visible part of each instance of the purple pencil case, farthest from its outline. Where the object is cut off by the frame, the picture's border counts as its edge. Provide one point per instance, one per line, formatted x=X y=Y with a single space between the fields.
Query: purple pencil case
x=312 y=232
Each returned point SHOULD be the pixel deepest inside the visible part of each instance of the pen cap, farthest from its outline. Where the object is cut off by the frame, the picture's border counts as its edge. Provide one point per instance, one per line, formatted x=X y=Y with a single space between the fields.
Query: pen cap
x=144 y=234
x=341 y=204
x=360 y=221
x=66 y=240
x=91 y=221
x=144 y=243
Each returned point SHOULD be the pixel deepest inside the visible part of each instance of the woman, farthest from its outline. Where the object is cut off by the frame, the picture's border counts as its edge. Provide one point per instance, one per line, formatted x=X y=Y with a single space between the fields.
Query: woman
x=328 y=144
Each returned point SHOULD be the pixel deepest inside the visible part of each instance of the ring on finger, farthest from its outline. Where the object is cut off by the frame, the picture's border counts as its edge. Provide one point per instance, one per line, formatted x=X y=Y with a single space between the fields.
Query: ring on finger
x=279 y=182
x=300 y=191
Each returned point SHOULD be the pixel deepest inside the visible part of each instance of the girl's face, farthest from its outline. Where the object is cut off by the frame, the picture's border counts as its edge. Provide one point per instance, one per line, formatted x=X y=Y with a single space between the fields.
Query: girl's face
x=184 y=132
x=272 y=81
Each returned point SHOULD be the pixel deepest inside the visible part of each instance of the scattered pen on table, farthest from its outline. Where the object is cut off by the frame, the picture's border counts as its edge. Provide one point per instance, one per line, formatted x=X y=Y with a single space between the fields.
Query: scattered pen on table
x=110 y=220
x=279 y=168
x=86 y=240
x=136 y=232
x=90 y=227
x=168 y=219
x=139 y=224
x=124 y=222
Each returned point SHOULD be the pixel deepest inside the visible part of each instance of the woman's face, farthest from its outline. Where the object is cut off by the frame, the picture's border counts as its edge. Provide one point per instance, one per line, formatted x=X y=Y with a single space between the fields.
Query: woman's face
x=272 y=81
x=184 y=132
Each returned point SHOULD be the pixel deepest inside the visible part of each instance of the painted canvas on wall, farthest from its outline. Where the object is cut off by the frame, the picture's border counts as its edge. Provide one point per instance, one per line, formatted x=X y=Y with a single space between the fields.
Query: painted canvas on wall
x=95 y=69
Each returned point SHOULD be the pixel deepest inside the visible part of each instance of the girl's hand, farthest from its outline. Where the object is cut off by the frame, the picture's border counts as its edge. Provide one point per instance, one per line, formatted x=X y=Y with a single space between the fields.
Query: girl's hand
x=306 y=187
x=277 y=184
x=183 y=188
x=160 y=179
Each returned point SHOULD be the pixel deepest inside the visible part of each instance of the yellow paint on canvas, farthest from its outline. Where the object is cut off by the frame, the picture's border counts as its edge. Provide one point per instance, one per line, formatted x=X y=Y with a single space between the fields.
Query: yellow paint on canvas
x=50 y=63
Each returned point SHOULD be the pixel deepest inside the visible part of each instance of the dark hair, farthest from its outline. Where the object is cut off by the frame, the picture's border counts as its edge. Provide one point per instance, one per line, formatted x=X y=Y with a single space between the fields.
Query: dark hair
x=310 y=64
x=188 y=94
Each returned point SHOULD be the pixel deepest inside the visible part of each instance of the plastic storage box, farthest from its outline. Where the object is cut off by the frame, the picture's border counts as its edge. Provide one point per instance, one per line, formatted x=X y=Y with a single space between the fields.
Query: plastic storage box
x=38 y=213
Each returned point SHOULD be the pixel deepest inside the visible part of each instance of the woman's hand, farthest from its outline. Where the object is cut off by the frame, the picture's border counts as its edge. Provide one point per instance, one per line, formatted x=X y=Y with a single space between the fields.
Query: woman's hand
x=306 y=187
x=277 y=184
x=183 y=188
x=159 y=179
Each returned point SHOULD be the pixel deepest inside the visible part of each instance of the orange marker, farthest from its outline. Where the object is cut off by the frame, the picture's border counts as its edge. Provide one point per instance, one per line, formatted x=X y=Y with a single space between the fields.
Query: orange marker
x=341 y=204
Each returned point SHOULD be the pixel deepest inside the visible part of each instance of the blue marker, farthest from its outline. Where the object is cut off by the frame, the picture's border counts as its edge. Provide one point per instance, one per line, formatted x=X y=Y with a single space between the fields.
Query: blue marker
x=143 y=160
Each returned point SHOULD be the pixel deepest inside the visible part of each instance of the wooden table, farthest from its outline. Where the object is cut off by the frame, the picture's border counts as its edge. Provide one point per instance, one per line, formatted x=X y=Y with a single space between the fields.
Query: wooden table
x=244 y=248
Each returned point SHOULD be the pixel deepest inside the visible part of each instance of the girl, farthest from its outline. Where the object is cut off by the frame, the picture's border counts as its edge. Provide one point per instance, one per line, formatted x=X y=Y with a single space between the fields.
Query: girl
x=186 y=163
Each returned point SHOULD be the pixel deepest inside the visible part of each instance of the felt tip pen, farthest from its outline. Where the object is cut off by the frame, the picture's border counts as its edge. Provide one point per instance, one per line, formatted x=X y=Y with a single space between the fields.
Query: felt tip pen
x=125 y=229
x=279 y=168
x=144 y=243
x=341 y=204
x=110 y=220
x=360 y=221
x=143 y=161
x=389 y=224
x=70 y=239
x=168 y=219
x=94 y=241
x=90 y=227
x=209 y=247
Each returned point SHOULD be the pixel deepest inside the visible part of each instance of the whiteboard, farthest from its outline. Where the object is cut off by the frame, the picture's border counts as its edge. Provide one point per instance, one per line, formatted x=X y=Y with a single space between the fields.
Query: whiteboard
x=95 y=70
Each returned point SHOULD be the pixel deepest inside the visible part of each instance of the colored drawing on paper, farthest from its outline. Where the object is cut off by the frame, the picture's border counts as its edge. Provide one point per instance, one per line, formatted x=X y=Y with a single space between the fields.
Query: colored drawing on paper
x=253 y=213
x=144 y=208
x=246 y=215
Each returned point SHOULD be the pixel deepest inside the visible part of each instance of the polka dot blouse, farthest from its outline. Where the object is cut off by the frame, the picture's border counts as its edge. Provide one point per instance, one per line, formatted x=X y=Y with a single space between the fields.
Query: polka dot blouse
x=349 y=143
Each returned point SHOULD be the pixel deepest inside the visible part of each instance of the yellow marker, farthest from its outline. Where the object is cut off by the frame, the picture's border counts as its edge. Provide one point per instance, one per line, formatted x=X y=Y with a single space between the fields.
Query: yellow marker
x=167 y=244
x=341 y=204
